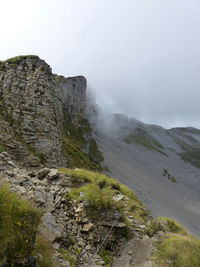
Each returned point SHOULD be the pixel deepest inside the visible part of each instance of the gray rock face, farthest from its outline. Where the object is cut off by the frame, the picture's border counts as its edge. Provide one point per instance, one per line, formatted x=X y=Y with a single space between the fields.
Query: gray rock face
x=72 y=97
x=34 y=103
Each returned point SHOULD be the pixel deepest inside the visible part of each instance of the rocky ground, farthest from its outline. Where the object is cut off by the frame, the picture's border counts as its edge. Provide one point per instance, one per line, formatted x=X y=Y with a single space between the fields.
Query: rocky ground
x=65 y=223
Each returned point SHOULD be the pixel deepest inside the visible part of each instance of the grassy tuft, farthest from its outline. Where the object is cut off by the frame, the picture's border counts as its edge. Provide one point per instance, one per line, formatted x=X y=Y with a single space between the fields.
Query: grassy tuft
x=18 y=226
x=43 y=252
x=64 y=254
x=153 y=228
x=178 y=250
x=172 y=226
x=177 y=247
x=104 y=254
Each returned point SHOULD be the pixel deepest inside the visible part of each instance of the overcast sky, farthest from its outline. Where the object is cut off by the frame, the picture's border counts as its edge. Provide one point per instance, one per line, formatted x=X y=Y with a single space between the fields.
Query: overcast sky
x=141 y=57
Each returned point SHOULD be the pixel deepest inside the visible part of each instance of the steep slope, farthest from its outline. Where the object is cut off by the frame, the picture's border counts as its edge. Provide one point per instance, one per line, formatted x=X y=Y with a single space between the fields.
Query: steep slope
x=39 y=111
x=159 y=164
x=86 y=217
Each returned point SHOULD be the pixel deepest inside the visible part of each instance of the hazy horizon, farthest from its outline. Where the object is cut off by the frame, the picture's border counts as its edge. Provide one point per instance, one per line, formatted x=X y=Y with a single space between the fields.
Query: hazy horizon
x=142 y=58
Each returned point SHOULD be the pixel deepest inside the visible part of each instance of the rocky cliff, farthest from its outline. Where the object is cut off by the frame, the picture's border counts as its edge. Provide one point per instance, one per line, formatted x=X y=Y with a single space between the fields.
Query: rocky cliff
x=37 y=108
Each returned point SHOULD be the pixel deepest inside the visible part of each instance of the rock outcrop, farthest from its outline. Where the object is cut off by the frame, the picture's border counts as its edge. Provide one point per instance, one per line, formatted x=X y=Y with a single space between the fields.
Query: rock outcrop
x=34 y=103
x=66 y=224
x=72 y=98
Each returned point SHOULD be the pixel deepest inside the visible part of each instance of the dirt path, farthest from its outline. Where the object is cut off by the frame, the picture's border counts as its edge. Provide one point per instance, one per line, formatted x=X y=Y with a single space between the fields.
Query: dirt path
x=136 y=253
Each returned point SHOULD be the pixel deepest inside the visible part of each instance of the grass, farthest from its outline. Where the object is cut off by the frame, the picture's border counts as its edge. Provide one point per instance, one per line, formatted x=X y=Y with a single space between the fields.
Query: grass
x=172 y=226
x=99 y=189
x=178 y=251
x=74 y=144
x=189 y=154
x=192 y=156
x=15 y=60
x=153 y=227
x=64 y=254
x=18 y=226
x=104 y=254
x=43 y=249
x=177 y=247
x=1 y=149
x=146 y=140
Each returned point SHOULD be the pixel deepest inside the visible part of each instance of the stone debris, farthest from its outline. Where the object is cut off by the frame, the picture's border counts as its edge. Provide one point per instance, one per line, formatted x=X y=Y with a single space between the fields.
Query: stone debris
x=66 y=223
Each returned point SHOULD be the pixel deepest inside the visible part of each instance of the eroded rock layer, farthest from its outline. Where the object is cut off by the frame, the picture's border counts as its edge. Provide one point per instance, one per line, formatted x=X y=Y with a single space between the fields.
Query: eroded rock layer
x=33 y=106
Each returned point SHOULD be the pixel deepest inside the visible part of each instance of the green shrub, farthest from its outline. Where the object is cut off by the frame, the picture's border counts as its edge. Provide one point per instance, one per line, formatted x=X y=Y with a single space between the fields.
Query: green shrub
x=18 y=226
x=102 y=183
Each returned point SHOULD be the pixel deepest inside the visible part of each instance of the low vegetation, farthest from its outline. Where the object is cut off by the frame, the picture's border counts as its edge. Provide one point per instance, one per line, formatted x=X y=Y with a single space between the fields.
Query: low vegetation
x=100 y=190
x=1 y=149
x=143 y=138
x=172 y=226
x=43 y=252
x=18 y=226
x=79 y=151
x=177 y=247
x=14 y=61
x=169 y=176
x=64 y=254
x=192 y=156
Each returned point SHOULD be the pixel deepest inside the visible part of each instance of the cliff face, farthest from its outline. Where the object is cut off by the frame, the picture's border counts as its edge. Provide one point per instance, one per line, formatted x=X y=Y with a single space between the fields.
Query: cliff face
x=72 y=98
x=34 y=103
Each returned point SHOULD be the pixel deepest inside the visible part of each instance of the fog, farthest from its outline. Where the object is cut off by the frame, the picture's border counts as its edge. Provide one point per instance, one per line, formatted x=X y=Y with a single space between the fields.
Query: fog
x=141 y=57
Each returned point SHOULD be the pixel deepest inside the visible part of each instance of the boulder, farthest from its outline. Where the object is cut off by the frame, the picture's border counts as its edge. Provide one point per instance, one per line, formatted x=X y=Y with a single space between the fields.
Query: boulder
x=42 y=173
x=87 y=227
x=53 y=174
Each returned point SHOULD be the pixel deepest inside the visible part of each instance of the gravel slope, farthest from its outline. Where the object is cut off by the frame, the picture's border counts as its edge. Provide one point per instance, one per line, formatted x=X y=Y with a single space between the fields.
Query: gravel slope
x=142 y=170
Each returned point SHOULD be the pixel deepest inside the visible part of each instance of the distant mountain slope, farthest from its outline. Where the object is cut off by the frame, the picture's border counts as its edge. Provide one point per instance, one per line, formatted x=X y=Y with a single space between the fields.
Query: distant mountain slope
x=160 y=165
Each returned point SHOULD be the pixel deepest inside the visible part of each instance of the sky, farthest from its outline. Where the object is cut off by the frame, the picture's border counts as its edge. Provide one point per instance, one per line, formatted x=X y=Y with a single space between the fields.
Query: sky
x=140 y=57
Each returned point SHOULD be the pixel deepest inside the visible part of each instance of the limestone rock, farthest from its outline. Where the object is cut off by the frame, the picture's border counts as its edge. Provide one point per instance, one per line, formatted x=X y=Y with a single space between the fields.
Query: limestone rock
x=87 y=227
x=53 y=174
x=42 y=173
x=34 y=104
x=118 y=197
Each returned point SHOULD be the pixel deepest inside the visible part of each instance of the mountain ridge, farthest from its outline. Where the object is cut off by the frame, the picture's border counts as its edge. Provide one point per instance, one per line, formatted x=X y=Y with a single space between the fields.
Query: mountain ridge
x=74 y=211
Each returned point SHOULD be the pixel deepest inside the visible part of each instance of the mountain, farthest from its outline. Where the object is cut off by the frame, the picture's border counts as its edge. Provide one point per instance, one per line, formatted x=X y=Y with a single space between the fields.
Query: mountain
x=57 y=208
x=40 y=112
x=160 y=165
